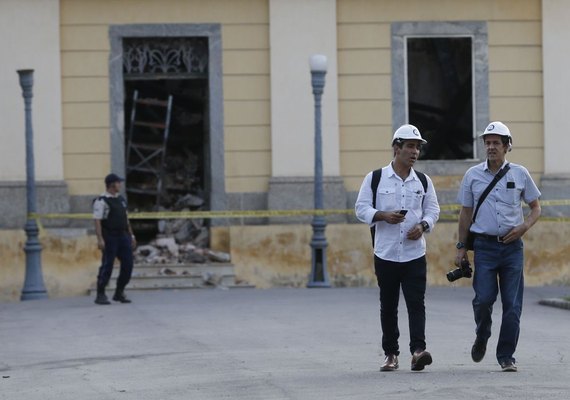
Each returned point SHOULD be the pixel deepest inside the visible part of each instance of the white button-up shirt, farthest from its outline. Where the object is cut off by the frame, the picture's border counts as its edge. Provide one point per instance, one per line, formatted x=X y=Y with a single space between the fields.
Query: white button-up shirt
x=390 y=242
x=502 y=210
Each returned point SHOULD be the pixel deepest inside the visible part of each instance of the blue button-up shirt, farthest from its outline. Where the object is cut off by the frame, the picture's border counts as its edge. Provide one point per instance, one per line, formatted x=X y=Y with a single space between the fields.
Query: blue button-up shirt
x=502 y=210
x=395 y=194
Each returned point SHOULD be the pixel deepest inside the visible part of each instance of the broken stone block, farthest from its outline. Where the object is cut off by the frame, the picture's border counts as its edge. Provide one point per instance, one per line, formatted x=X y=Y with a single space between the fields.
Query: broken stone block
x=168 y=243
x=189 y=201
x=211 y=279
x=185 y=233
x=202 y=239
x=146 y=251
x=186 y=247
x=167 y=271
x=217 y=256
x=193 y=258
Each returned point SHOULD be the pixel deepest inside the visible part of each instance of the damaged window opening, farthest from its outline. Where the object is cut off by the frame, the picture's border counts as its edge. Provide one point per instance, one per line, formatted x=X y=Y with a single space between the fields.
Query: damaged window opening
x=166 y=134
x=440 y=95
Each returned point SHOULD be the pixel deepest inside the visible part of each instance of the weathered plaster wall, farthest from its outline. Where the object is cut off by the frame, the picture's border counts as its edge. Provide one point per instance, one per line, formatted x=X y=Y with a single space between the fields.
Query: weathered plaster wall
x=69 y=263
x=280 y=255
x=277 y=255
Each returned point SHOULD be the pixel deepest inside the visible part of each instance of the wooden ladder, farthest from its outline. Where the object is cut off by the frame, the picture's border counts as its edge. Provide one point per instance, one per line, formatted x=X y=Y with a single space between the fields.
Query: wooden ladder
x=147 y=143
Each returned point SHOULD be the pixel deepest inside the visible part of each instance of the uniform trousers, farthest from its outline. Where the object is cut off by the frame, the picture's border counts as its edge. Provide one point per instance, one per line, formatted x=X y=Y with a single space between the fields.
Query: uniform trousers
x=116 y=246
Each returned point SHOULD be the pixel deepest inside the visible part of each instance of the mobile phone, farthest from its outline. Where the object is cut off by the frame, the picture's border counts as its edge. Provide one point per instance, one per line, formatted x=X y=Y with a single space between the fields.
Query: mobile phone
x=403 y=212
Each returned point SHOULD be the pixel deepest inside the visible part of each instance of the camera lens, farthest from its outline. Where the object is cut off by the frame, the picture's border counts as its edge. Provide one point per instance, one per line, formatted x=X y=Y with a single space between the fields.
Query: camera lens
x=454 y=275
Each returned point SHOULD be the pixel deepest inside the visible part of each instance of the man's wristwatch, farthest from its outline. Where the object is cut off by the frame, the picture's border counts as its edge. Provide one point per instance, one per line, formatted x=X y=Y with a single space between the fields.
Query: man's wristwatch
x=425 y=225
x=460 y=245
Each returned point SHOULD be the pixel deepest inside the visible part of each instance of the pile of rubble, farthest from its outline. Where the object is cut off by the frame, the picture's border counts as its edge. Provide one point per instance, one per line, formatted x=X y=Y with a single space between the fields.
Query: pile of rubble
x=165 y=250
x=181 y=241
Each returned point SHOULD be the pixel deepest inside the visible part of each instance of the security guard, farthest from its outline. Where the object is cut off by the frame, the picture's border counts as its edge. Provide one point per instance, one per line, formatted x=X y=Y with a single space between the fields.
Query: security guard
x=400 y=205
x=115 y=239
x=498 y=228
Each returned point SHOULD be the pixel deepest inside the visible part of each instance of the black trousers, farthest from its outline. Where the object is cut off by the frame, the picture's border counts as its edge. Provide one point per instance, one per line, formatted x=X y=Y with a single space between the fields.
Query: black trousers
x=411 y=276
x=116 y=246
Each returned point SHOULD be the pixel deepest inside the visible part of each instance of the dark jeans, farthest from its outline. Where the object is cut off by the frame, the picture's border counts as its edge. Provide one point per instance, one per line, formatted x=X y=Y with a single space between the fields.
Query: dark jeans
x=411 y=276
x=499 y=266
x=116 y=246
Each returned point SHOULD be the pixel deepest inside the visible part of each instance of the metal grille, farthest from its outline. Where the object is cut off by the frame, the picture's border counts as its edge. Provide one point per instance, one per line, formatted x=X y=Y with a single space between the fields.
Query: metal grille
x=143 y=56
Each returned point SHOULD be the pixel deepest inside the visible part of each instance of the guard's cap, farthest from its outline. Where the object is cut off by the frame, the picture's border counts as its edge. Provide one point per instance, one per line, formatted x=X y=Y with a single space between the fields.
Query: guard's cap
x=112 y=178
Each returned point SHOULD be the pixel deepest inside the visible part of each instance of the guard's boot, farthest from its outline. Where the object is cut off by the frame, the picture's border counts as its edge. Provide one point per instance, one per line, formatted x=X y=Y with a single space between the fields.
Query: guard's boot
x=120 y=297
x=101 y=297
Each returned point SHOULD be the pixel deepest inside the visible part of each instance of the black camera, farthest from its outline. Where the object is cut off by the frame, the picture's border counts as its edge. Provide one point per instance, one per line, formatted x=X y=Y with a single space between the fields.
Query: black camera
x=464 y=271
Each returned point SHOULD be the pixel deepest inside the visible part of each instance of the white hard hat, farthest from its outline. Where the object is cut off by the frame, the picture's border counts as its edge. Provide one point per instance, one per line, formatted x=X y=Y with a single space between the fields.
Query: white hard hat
x=408 y=132
x=497 y=128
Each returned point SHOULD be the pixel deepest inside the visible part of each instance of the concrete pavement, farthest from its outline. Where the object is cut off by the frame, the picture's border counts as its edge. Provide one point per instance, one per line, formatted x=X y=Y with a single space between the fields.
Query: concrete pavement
x=268 y=344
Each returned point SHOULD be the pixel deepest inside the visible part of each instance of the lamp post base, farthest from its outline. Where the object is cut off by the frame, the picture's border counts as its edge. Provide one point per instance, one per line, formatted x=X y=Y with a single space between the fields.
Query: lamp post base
x=34 y=288
x=319 y=275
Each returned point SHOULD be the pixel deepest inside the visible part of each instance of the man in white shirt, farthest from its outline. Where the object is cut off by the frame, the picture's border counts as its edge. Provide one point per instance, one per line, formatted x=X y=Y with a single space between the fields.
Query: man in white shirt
x=403 y=208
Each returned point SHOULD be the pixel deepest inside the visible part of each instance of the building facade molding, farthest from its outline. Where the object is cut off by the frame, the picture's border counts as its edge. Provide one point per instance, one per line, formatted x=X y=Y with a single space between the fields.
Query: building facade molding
x=477 y=30
x=215 y=182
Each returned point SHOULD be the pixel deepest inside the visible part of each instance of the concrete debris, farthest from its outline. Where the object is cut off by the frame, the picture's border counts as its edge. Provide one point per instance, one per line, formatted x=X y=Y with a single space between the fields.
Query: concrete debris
x=188 y=201
x=169 y=244
x=167 y=271
x=211 y=279
x=218 y=256
x=147 y=251
x=165 y=250
x=185 y=231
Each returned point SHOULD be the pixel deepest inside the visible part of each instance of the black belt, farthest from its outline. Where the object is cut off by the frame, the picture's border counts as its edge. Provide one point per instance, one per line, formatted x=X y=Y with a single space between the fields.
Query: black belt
x=494 y=238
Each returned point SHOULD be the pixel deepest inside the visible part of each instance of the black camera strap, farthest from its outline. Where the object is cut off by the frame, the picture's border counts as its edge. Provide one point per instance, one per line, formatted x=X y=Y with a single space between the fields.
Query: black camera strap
x=496 y=179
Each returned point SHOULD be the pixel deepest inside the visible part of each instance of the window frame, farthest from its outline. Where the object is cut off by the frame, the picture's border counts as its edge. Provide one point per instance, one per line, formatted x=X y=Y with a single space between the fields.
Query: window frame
x=477 y=31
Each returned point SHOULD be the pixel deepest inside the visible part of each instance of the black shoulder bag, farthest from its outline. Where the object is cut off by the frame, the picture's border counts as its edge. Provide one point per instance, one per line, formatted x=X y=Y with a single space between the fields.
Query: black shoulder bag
x=497 y=178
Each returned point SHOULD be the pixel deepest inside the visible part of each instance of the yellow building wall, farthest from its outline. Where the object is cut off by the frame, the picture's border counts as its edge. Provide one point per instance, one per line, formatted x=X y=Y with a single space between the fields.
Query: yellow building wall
x=364 y=64
x=85 y=51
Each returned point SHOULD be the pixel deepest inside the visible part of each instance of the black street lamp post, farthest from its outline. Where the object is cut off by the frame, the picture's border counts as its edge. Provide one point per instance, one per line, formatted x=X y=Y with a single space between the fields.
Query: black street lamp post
x=319 y=277
x=34 y=282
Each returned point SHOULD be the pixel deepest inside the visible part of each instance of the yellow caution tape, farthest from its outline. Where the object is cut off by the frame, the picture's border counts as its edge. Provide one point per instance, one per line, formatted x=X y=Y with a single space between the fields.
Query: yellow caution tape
x=204 y=214
x=267 y=213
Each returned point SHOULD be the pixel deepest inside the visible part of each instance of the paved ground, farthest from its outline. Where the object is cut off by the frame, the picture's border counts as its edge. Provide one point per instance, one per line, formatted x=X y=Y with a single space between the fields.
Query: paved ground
x=267 y=344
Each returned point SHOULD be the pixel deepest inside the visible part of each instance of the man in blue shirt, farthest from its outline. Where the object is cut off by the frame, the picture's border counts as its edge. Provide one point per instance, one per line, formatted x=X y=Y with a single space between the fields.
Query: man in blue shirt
x=405 y=209
x=498 y=228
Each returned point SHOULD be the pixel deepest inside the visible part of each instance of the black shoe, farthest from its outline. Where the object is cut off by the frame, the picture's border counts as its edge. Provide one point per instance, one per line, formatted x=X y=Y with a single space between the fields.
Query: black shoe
x=479 y=348
x=120 y=297
x=420 y=359
x=102 y=299
x=508 y=366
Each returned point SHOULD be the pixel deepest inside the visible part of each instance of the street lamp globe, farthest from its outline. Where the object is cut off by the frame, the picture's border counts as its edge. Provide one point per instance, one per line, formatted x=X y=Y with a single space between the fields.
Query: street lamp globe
x=318 y=63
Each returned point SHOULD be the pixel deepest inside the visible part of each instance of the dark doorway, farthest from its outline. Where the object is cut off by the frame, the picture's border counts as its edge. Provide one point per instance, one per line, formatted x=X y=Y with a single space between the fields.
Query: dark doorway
x=184 y=162
x=440 y=95
x=166 y=131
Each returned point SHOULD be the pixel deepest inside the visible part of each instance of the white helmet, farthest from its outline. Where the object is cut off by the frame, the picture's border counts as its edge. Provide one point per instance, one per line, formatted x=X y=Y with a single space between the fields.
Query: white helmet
x=407 y=132
x=498 y=128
